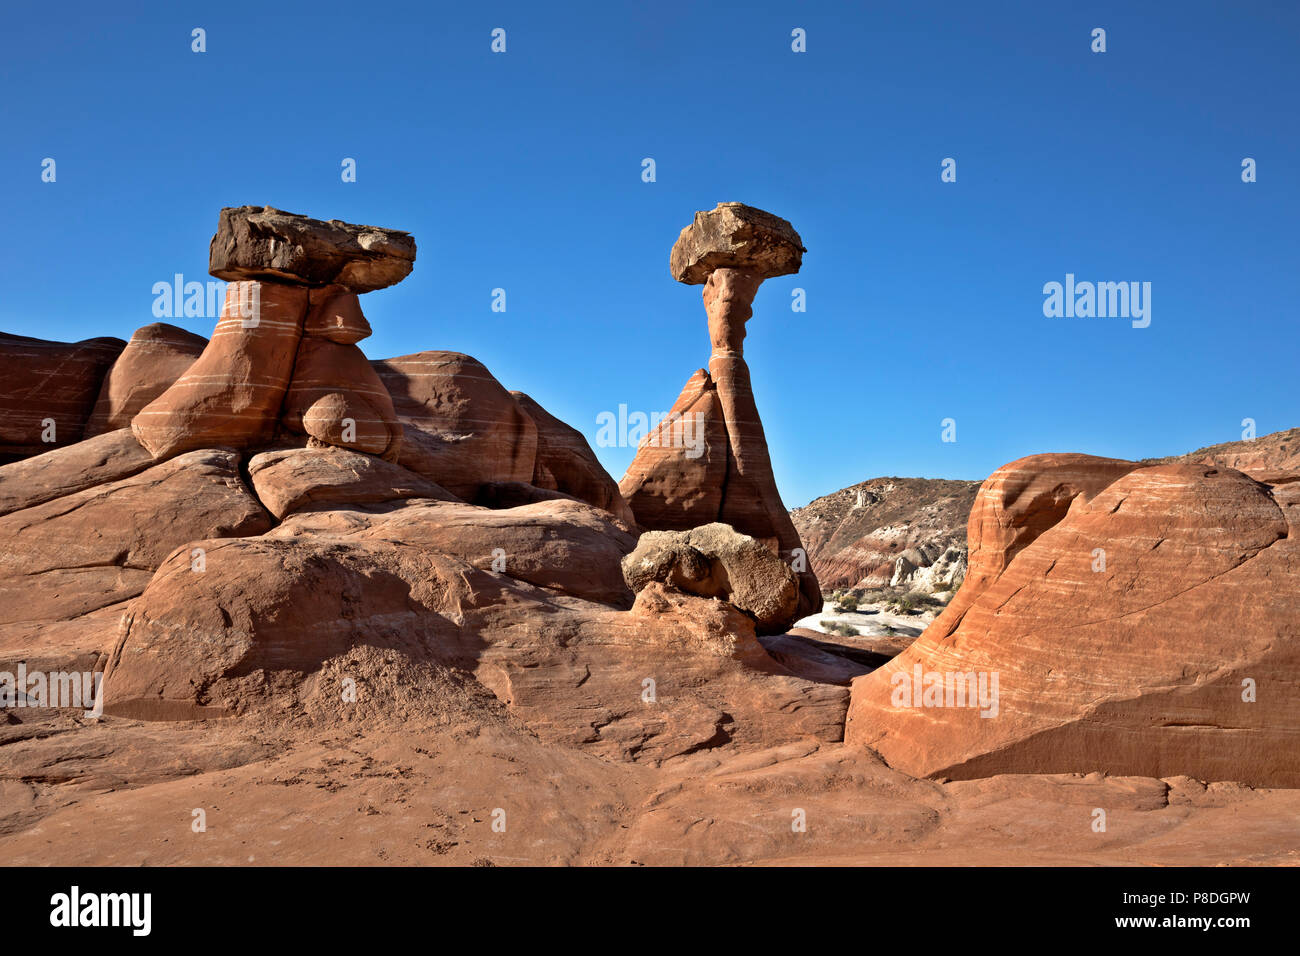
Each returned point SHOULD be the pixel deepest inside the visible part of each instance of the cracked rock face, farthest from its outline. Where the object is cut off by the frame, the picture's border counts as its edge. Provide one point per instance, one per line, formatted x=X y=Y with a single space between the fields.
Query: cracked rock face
x=261 y=242
x=1139 y=621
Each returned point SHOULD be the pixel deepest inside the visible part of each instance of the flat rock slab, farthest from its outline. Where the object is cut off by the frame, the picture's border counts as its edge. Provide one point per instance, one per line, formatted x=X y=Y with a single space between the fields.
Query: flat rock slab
x=735 y=236
x=261 y=242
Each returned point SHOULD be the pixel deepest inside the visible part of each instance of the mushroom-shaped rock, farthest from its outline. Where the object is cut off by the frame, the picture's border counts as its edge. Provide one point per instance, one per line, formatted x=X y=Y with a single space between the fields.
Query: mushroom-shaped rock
x=735 y=236
x=261 y=242
x=724 y=473
x=715 y=560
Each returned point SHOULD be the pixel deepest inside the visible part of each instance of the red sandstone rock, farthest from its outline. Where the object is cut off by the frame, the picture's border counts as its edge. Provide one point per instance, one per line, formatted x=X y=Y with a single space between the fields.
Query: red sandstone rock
x=668 y=486
x=156 y=356
x=99 y=546
x=574 y=672
x=291 y=479
x=1016 y=504
x=95 y=461
x=232 y=393
x=566 y=463
x=462 y=429
x=336 y=315
x=49 y=383
x=1136 y=666
x=563 y=545
x=336 y=397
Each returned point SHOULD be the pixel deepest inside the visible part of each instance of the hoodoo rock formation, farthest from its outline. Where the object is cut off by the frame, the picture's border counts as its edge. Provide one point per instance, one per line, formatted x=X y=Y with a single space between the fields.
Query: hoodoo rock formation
x=279 y=501
x=675 y=485
x=369 y=586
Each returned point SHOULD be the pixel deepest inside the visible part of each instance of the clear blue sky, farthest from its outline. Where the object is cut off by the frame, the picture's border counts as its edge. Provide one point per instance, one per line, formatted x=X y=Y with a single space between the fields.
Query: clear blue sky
x=523 y=171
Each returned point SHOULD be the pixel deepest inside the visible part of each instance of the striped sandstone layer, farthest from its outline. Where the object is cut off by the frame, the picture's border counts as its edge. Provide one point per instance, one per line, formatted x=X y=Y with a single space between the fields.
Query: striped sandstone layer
x=1139 y=620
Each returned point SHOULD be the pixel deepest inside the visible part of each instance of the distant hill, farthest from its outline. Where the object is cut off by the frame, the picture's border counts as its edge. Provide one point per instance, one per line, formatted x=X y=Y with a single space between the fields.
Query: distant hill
x=856 y=536
x=1264 y=458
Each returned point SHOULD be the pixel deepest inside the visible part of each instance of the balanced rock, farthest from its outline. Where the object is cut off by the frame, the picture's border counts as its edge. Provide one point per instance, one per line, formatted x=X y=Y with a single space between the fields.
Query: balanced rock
x=156 y=357
x=735 y=236
x=260 y=242
x=708 y=460
x=1115 y=618
x=715 y=561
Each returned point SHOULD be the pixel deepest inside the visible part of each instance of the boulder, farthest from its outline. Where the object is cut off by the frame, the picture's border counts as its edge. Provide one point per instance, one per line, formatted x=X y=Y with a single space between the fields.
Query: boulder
x=714 y=561
x=157 y=355
x=735 y=236
x=48 y=389
x=291 y=479
x=335 y=397
x=1136 y=620
x=233 y=392
x=260 y=242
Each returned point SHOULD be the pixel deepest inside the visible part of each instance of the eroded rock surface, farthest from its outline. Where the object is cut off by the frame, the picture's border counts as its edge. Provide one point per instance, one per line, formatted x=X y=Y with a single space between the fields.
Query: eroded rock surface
x=47 y=391
x=232 y=394
x=1139 y=620
x=157 y=355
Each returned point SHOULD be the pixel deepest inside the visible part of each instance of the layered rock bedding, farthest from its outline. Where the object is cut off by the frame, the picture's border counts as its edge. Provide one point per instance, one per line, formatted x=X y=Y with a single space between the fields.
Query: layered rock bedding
x=319 y=589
